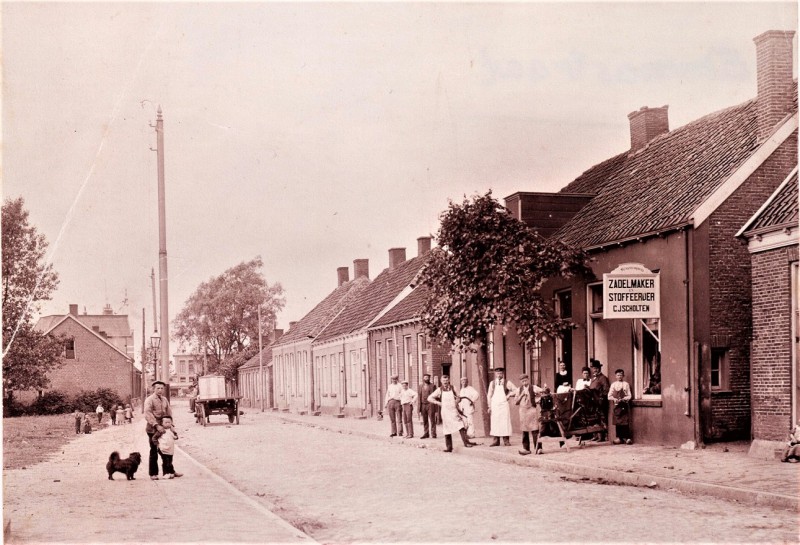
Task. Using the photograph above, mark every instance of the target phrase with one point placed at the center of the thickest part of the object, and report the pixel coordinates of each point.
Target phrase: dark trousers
(166, 463)
(99, 417)
(429, 418)
(78, 425)
(395, 416)
(114, 419)
(623, 432)
(408, 409)
(153, 461)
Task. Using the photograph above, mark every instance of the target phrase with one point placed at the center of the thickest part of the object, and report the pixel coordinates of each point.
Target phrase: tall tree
(486, 274)
(221, 316)
(27, 280)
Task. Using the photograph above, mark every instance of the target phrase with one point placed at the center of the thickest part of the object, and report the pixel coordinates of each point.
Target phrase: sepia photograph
(400, 272)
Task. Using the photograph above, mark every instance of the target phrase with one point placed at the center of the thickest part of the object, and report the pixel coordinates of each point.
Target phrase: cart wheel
(203, 418)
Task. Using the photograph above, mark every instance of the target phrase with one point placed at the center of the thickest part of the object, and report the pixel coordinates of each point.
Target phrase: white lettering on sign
(631, 291)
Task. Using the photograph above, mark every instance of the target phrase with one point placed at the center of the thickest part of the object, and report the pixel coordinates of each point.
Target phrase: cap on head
(395, 377)
(499, 370)
(596, 364)
(426, 375)
(156, 383)
(404, 382)
(523, 377)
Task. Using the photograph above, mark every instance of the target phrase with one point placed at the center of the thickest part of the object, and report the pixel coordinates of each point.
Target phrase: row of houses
(709, 209)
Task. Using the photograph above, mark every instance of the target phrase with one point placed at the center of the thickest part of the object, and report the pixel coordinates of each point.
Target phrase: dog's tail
(114, 457)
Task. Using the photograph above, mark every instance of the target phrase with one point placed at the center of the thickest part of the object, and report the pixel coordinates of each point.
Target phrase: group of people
(121, 414)
(161, 434)
(457, 408)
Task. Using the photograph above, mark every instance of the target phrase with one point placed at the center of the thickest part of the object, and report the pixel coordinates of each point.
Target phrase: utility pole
(260, 361)
(144, 363)
(162, 252)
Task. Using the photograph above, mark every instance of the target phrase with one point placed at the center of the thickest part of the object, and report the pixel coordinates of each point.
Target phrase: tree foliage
(27, 354)
(487, 272)
(221, 316)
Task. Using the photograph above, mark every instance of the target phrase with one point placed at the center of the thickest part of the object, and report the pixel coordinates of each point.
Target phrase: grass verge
(28, 440)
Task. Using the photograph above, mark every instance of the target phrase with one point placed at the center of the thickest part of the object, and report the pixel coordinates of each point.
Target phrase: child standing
(165, 439)
(620, 394)
(78, 415)
(113, 414)
(128, 414)
(86, 424)
(120, 415)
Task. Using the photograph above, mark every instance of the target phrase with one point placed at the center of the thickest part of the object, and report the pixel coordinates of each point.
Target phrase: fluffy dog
(128, 466)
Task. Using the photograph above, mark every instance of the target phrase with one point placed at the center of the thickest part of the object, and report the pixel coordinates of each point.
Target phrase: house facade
(670, 208)
(186, 369)
(772, 240)
(91, 360)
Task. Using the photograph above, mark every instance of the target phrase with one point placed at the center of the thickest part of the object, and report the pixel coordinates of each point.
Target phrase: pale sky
(316, 134)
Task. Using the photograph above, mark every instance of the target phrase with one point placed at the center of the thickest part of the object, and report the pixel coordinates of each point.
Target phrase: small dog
(128, 466)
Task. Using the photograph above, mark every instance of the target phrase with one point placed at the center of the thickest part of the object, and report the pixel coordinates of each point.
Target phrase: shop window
(390, 359)
(719, 369)
(326, 377)
(69, 349)
(379, 357)
(563, 309)
(354, 375)
(646, 339)
(531, 355)
(409, 357)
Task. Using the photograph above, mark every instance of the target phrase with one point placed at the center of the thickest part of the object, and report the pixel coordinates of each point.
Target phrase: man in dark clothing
(427, 410)
(156, 406)
(600, 383)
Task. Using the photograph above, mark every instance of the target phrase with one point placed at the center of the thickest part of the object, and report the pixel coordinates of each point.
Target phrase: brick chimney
(73, 310)
(423, 245)
(646, 124)
(396, 257)
(775, 84)
(343, 274)
(360, 268)
(292, 324)
(276, 335)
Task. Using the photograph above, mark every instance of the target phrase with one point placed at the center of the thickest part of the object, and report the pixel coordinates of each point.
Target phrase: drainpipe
(692, 375)
(343, 382)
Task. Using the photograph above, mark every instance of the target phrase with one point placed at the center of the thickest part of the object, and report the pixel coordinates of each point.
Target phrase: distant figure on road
(497, 397)
(620, 394)
(407, 399)
(86, 424)
(469, 396)
(528, 414)
(452, 421)
(427, 410)
(128, 414)
(600, 383)
(156, 407)
(120, 415)
(113, 414)
(78, 415)
(392, 405)
(99, 410)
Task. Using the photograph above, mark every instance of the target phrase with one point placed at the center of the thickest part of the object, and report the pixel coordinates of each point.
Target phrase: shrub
(12, 407)
(88, 400)
(52, 402)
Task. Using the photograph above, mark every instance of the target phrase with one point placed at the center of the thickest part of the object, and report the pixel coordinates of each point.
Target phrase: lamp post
(155, 344)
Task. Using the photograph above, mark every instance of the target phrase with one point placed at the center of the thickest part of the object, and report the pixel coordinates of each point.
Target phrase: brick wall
(730, 289)
(96, 365)
(771, 359)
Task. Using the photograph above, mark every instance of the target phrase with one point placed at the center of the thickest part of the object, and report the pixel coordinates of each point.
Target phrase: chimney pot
(774, 79)
(73, 310)
(396, 257)
(292, 324)
(646, 124)
(360, 268)
(343, 274)
(423, 245)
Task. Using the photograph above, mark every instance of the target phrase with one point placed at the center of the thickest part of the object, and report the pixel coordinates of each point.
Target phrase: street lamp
(155, 344)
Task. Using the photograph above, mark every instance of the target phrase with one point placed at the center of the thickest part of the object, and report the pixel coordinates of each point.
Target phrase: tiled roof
(661, 185)
(782, 209)
(312, 323)
(373, 299)
(114, 325)
(255, 361)
(407, 309)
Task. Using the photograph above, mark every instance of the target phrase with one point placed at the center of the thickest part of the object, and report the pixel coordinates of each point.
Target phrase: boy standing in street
(407, 399)
(165, 441)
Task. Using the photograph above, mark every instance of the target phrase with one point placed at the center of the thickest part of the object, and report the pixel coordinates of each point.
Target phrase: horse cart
(577, 413)
(216, 395)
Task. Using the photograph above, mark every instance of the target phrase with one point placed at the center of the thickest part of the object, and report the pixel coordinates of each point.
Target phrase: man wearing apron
(497, 398)
(452, 421)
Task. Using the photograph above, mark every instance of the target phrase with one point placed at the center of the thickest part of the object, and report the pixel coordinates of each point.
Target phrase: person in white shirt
(392, 404)
(497, 397)
(407, 399)
(584, 381)
(469, 396)
(620, 394)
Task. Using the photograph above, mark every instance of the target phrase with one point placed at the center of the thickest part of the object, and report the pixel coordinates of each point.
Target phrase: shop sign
(631, 291)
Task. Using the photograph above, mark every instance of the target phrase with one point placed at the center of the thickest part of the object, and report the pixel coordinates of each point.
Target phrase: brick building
(772, 237)
(93, 359)
(672, 204)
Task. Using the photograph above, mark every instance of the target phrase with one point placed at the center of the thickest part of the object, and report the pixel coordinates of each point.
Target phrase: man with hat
(427, 410)
(407, 399)
(497, 398)
(156, 406)
(601, 385)
(393, 406)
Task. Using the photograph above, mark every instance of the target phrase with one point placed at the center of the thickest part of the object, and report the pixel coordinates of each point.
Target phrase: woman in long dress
(447, 398)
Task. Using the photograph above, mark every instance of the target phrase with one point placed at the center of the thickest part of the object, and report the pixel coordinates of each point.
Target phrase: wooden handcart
(216, 395)
(577, 413)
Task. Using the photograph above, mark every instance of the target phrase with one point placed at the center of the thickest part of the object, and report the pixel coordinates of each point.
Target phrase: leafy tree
(486, 273)
(221, 316)
(27, 354)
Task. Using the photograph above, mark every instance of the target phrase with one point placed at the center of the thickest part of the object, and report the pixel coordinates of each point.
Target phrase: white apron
(500, 425)
(451, 423)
